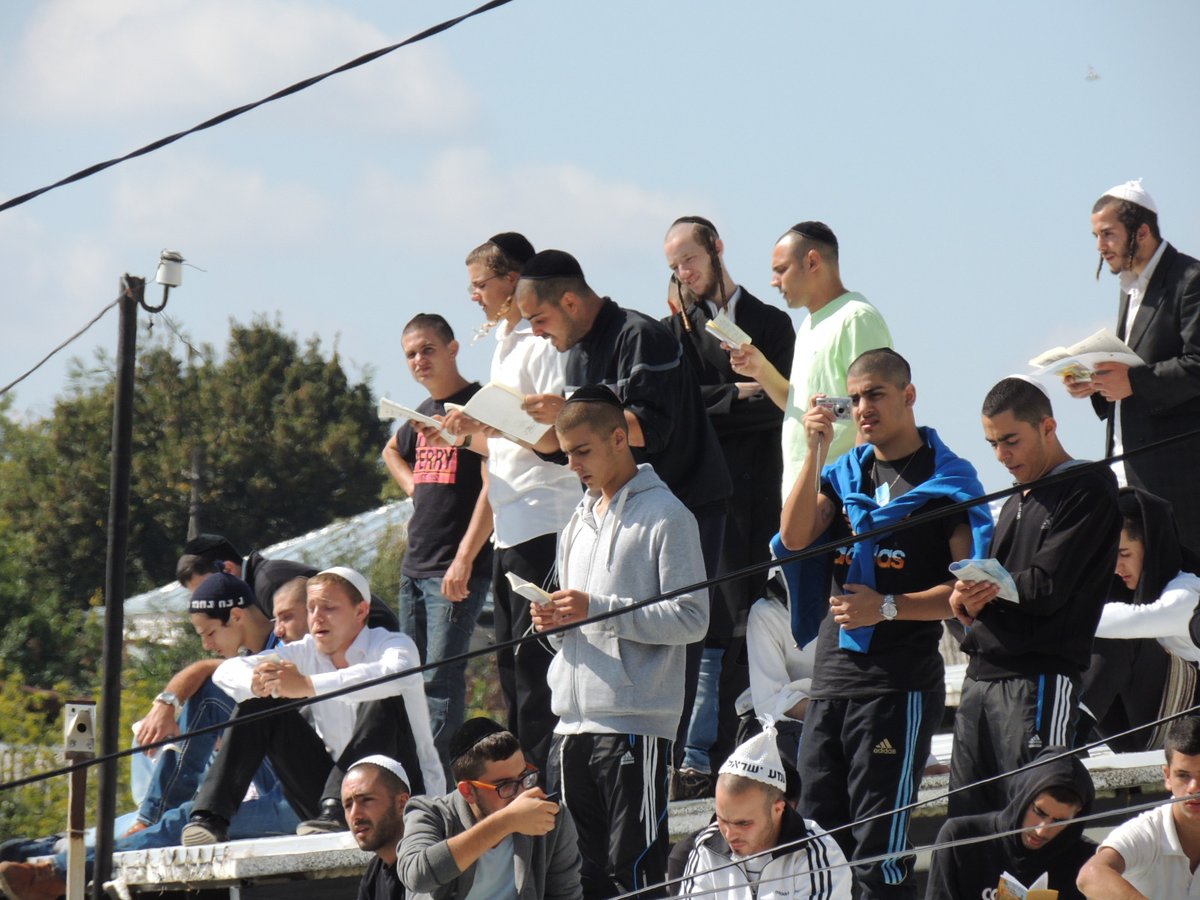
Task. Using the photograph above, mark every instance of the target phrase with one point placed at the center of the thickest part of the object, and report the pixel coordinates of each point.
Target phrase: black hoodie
(972, 871)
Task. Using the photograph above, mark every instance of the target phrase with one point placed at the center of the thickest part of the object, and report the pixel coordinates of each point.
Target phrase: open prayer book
(390, 410)
(1079, 360)
(526, 589)
(1011, 889)
(727, 331)
(499, 406)
(989, 570)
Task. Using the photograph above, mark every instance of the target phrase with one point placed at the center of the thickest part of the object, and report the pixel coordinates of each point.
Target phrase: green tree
(288, 442)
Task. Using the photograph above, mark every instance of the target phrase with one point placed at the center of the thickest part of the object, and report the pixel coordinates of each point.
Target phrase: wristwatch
(888, 609)
(171, 700)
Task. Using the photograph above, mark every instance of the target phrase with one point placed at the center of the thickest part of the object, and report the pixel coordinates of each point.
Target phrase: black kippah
(696, 220)
(595, 393)
(208, 544)
(221, 591)
(471, 733)
(514, 245)
(552, 264)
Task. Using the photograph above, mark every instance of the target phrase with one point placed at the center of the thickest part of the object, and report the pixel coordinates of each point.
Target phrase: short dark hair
(1133, 216)
(194, 565)
(1183, 737)
(600, 416)
(551, 290)
(1063, 794)
(1026, 402)
(813, 235)
(495, 747)
(1131, 514)
(883, 361)
(431, 322)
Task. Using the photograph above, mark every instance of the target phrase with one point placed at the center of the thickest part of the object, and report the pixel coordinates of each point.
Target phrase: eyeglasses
(507, 789)
(476, 286)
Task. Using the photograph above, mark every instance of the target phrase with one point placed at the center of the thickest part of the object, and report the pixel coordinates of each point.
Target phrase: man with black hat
(1159, 319)
(665, 420)
(497, 836)
(207, 553)
(748, 425)
(311, 759)
(531, 498)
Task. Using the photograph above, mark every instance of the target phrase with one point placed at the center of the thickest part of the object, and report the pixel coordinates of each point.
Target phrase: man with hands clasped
(310, 760)
(878, 683)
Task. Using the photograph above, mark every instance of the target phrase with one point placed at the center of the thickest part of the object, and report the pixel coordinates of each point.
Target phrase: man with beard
(374, 794)
(1159, 319)
(748, 426)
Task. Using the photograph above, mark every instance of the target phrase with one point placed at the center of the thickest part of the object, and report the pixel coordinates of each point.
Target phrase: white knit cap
(1134, 193)
(384, 762)
(758, 758)
(1029, 379)
(358, 580)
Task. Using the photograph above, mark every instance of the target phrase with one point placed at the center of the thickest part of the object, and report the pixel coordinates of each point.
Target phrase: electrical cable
(100, 315)
(240, 110)
(816, 550)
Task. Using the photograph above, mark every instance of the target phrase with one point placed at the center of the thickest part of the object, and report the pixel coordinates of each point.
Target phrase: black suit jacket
(1166, 391)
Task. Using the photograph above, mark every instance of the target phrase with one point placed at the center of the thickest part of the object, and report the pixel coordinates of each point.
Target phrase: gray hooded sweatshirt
(625, 675)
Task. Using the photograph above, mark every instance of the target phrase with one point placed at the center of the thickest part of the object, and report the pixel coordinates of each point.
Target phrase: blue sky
(955, 148)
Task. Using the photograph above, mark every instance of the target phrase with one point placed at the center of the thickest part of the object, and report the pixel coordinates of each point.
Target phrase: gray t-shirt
(495, 877)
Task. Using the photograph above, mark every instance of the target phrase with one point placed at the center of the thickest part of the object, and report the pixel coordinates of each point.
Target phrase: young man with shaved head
(878, 684)
(1059, 543)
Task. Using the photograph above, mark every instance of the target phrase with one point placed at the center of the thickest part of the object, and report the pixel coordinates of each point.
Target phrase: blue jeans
(442, 629)
(702, 729)
(177, 774)
(267, 815)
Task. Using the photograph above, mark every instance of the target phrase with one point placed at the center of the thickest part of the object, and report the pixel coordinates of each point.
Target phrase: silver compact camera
(840, 405)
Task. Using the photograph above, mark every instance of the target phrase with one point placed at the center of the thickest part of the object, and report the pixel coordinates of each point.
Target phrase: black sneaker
(204, 828)
(329, 820)
(689, 784)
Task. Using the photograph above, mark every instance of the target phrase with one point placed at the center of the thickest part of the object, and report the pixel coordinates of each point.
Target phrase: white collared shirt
(529, 496)
(730, 304)
(1155, 863)
(373, 653)
(1135, 286)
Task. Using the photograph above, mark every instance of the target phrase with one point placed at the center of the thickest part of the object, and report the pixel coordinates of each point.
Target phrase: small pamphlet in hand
(727, 331)
(499, 406)
(988, 570)
(390, 410)
(527, 589)
(1011, 889)
(1079, 361)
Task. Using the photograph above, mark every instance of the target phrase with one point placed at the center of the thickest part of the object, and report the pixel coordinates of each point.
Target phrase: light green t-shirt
(826, 343)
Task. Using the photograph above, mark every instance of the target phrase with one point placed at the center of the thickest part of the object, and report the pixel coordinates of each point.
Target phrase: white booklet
(727, 331)
(499, 406)
(526, 589)
(391, 410)
(1011, 889)
(989, 570)
(1079, 360)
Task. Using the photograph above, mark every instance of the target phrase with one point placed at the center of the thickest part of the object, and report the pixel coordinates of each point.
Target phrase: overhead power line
(240, 110)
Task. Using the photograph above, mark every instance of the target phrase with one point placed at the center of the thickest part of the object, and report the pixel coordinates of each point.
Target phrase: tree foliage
(288, 443)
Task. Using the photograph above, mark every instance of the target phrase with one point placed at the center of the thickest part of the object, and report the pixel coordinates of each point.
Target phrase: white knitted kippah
(384, 762)
(1134, 193)
(355, 578)
(758, 758)
(1029, 379)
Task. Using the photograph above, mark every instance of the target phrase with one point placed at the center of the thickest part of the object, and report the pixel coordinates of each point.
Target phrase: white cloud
(462, 194)
(81, 61)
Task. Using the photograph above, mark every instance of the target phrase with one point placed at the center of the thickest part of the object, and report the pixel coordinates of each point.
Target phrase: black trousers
(522, 670)
(615, 786)
(999, 727)
(861, 760)
(710, 521)
(306, 771)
